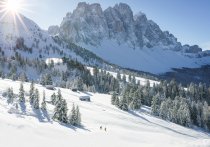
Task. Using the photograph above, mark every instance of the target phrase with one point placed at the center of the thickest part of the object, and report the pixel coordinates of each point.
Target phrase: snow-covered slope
(126, 39)
(33, 128)
(24, 36)
(154, 60)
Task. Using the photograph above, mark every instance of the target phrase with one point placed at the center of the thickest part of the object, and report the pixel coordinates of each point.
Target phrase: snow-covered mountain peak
(89, 24)
(118, 35)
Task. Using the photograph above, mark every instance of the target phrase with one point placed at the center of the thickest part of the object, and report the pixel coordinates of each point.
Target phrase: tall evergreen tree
(31, 93)
(21, 93)
(53, 98)
(44, 105)
(78, 116)
(124, 79)
(36, 99)
(118, 76)
(123, 103)
(73, 117)
(114, 95)
(136, 101)
(205, 115)
(117, 102)
(10, 96)
(61, 109)
(155, 105)
(58, 97)
(63, 112)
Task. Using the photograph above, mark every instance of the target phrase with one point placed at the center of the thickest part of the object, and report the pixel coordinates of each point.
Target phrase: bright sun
(13, 5)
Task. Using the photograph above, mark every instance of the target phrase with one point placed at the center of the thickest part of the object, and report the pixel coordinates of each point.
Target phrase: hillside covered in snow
(28, 127)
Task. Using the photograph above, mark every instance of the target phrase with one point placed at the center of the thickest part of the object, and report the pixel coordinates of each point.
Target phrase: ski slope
(134, 129)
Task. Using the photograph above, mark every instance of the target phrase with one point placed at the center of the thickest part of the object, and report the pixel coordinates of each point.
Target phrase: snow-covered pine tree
(80, 84)
(36, 99)
(124, 79)
(78, 116)
(163, 110)
(136, 102)
(114, 95)
(123, 103)
(61, 109)
(58, 97)
(155, 105)
(57, 109)
(205, 115)
(184, 114)
(129, 78)
(44, 105)
(118, 76)
(21, 93)
(10, 96)
(63, 112)
(31, 93)
(48, 79)
(73, 117)
(117, 102)
(53, 98)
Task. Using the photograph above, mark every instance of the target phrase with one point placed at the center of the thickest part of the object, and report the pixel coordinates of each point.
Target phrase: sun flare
(13, 5)
(10, 11)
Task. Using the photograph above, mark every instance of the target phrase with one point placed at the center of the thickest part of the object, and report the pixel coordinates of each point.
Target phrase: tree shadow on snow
(39, 115)
(74, 127)
(167, 128)
(23, 107)
(46, 115)
(137, 115)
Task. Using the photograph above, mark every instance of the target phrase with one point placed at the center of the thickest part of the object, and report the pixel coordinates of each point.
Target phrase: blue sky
(188, 20)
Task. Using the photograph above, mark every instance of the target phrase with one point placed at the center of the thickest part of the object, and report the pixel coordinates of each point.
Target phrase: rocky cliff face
(89, 24)
(126, 39)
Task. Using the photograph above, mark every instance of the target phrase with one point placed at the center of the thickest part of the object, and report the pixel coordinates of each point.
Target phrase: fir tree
(48, 80)
(73, 117)
(31, 93)
(53, 98)
(155, 107)
(36, 99)
(124, 79)
(60, 111)
(21, 93)
(118, 76)
(10, 96)
(129, 78)
(205, 114)
(136, 102)
(58, 97)
(123, 104)
(114, 95)
(78, 116)
(163, 110)
(43, 105)
(63, 112)
(117, 102)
